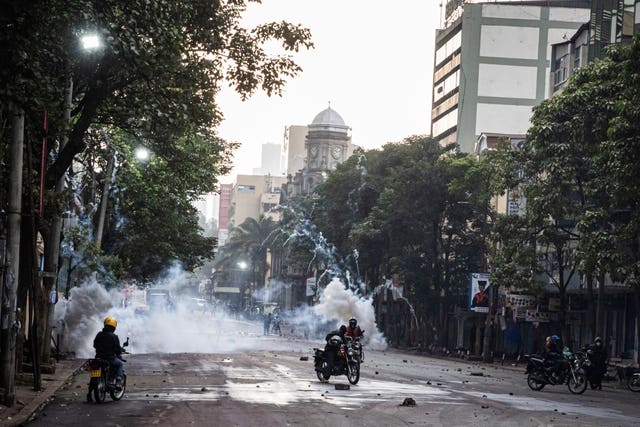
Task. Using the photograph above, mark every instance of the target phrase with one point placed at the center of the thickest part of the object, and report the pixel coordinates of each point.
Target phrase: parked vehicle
(346, 363)
(571, 372)
(102, 380)
(634, 382)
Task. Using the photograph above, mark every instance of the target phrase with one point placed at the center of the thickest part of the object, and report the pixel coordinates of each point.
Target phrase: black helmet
(343, 329)
(353, 322)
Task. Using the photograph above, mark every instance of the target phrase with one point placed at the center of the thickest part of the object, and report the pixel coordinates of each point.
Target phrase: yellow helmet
(110, 321)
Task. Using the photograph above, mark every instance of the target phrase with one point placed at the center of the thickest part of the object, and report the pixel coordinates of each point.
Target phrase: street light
(90, 41)
(142, 154)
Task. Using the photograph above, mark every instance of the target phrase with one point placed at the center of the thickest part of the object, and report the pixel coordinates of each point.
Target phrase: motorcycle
(102, 380)
(634, 382)
(346, 362)
(571, 373)
(358, 350)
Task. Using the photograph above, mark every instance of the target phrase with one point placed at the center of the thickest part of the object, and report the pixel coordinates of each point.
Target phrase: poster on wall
(479, 292)
(311, 286)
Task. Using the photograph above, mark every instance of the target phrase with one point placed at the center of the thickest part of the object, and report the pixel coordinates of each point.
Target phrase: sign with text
(311, 286)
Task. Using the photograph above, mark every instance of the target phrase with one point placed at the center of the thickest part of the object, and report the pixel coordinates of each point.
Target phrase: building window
(446, 86)
(449, 48)
(561, 70)
(246, 188)
(445, 123)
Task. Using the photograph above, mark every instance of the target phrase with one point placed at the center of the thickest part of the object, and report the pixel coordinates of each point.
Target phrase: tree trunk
(52, 252)
(599, 307)
(591, 313)
(12, 278)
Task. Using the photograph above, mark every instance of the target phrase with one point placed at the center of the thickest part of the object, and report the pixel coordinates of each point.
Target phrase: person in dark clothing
(353, 330)
(334, 339)
(553, 354)
(107, 346)
(267, 324)
(598, 357)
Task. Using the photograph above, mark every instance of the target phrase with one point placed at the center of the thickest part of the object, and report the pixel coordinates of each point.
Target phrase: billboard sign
(479, 292)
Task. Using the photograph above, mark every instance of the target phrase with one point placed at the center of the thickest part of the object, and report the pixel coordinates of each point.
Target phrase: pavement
(28, 401)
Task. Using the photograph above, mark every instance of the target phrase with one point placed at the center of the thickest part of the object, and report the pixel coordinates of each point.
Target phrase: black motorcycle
(102, 380)
(346, 362)
(570, 372)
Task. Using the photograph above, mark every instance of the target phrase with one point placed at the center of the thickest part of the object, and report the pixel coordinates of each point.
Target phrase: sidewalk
(29, 401)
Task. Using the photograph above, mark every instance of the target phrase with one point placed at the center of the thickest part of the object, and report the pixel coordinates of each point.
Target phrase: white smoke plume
(337, 303)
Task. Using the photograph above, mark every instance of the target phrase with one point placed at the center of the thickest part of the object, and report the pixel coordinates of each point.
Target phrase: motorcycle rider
(598, 357)
(107, 346)
(553, 354)
(334, 339)
(353, 330)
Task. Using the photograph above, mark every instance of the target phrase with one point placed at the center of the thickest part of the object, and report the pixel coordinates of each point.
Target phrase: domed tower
(328, 144)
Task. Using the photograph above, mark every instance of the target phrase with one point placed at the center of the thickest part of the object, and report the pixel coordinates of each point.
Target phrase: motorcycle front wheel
(353, 372)
(100, 389)
(321, 373)
(116, 394)
(634, 382)
(534, 383)
(577, 383)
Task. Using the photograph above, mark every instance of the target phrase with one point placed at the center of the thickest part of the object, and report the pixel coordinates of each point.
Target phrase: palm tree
(249, 242)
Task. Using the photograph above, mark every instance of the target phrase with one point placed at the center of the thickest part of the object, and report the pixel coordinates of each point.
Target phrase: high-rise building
(293, 147)
(491, 65)
(224, 211)
(271, 163)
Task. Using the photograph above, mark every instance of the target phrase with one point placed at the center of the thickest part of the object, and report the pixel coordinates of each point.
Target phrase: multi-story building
(491, 65)
(294, 148)
(254, 196)
(327, 144)
(272, 161)
(224, 211)
(612, 21)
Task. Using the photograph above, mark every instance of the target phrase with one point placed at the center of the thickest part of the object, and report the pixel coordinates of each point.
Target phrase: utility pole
(9, 325)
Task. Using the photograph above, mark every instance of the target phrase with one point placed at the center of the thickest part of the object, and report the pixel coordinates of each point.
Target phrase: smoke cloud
(338, 303)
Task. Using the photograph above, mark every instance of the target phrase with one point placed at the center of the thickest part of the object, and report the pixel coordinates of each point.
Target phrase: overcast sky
(372, 60)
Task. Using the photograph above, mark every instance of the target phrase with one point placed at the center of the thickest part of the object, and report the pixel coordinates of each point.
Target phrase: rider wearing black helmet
(334, 339)
(353, 330)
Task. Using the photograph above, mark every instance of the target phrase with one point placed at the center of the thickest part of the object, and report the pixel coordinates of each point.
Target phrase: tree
(154, 79)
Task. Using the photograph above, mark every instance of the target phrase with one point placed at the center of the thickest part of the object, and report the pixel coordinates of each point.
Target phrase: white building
(492, 65)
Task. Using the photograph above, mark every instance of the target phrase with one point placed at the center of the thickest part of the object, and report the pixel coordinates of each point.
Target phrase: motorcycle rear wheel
(353, 372)
(100, 389)
(579, 384)
(321, 373)
(534, 383)
(634, 382)
(117, 394)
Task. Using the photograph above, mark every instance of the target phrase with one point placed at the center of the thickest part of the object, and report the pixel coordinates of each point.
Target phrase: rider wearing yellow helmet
(107, 345)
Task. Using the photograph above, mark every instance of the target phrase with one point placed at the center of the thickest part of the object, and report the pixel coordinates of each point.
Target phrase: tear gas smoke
(338, 303)
(191, 324)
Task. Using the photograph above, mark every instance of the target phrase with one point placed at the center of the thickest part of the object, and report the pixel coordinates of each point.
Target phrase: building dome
(328, 117)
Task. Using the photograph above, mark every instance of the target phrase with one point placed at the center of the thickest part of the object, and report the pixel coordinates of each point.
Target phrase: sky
(372, 61)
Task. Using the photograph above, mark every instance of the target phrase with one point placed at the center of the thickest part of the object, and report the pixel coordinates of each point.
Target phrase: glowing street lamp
(90, 41)
(142, 154)
(242, 265)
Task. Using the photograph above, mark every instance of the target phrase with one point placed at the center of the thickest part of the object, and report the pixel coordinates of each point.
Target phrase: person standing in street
(267, 323)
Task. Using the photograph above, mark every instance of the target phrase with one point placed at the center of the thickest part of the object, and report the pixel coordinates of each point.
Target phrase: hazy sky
(372, 60)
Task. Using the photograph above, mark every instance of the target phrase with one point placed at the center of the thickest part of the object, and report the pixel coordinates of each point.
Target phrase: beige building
(294, 148)
(252, 196)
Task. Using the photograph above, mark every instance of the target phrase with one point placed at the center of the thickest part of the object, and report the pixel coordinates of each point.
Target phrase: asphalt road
(267, 384)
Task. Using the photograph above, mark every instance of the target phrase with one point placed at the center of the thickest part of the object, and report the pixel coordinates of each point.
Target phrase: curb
(29, 411)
